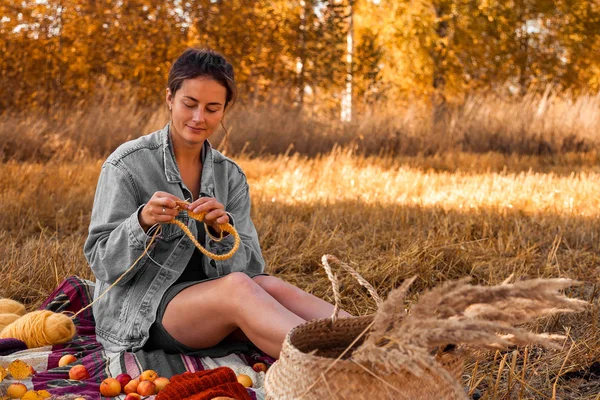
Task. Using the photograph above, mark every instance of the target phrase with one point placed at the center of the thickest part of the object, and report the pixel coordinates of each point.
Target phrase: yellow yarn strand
(122, 275)
(44, 327)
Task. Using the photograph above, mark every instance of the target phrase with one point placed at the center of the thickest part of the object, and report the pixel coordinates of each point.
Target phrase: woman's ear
(169, 98)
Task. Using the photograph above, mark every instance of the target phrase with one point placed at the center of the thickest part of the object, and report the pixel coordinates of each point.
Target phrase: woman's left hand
(215, 212)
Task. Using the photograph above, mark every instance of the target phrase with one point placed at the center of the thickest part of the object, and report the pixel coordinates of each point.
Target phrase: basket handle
(336, 286)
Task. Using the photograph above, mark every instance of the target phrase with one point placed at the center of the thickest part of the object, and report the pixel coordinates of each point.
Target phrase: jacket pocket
(171, 231)
(131, 287)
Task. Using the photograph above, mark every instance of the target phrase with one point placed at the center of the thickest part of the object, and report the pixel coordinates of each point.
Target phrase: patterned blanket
(74, 294)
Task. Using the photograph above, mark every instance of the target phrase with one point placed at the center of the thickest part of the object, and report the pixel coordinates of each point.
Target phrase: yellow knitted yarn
(8, 306)
(41, 328)
(7, 319)
(182, 205)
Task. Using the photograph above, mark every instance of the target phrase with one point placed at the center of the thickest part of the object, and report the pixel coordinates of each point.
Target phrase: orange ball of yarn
(41, 328)
(7, 319)
(8, 306)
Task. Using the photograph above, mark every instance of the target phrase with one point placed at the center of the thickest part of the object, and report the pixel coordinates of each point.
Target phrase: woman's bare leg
(202, 315)
(301, 303)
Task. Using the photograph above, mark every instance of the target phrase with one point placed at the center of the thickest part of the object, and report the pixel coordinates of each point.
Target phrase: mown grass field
(441, 217)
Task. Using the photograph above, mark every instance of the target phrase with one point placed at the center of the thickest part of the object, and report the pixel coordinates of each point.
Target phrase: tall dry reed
(534, 124)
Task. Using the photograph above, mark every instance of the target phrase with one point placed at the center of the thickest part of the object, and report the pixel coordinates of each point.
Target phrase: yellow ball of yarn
(41, 328)
(8, 306)
(7, 319)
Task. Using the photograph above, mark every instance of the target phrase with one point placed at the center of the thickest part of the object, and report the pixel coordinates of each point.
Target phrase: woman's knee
(237, 280)
(272, 285)
(239, 286)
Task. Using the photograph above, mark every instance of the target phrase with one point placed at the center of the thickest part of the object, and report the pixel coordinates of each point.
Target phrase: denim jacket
(128, 179)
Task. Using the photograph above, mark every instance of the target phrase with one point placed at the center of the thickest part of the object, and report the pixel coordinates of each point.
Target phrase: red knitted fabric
(233, 390)
(203, 385)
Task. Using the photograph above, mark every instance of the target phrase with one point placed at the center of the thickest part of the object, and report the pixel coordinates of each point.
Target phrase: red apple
(131, 387)
(78, 373)
(146, 388)
(66, 360)
(260, 367)
(148, 375)
(160, 383)
(133, 396)
(110, 387)
(123, 379)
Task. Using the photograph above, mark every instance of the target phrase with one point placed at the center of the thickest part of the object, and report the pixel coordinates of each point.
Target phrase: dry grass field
(502, 187)
(441, 217)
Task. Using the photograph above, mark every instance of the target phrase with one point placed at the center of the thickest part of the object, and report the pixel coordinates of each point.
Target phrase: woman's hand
(215, 212)
(160, 208)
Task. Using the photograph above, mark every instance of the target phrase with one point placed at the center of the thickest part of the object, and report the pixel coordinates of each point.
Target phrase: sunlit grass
(342, 177)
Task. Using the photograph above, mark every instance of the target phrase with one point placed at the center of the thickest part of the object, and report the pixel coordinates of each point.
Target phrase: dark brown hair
(193, 63)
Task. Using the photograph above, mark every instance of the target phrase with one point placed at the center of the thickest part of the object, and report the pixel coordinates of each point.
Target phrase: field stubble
(487, 216)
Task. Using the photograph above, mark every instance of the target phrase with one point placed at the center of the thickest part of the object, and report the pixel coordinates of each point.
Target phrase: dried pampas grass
(478, 317)
(398, 354)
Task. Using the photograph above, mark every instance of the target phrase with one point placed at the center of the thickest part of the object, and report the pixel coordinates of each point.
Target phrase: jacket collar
(207, 181)
(207, 184)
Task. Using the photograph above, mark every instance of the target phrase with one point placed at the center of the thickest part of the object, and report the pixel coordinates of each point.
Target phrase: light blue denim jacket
(129, 178)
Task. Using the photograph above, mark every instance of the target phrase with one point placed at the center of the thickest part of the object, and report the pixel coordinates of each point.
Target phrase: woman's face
(196, 109)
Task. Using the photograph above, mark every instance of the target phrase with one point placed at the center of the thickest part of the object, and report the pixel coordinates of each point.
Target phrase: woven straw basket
(316, 362)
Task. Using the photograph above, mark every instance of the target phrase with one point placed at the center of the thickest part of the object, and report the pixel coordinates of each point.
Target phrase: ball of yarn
(41, 328)
(7, 319)
(8, 306)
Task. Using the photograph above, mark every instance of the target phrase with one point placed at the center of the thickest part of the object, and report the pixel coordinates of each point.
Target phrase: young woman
(175, 298)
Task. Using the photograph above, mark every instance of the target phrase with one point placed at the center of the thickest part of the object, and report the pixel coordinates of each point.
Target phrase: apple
(131, 387)
(110, 387)
(16, 390)
(148, 375)
(260, 367)
(133, 396)
(146, 388)
(160, 383)
(66, 360)
(123, 379)
(78, 373)
(244, 380)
